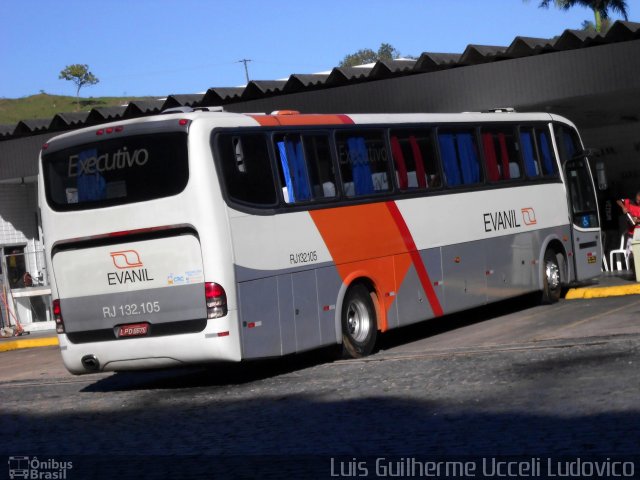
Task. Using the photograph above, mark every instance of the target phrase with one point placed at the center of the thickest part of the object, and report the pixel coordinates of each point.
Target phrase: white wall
(18, 208)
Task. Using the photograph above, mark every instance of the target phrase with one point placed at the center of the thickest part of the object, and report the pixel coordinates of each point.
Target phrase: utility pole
(246, 70)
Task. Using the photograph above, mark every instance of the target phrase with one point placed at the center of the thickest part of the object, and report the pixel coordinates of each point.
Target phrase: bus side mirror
(587, 152)
(601, 176)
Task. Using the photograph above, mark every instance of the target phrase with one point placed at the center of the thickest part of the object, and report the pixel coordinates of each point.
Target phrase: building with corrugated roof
(592, 79)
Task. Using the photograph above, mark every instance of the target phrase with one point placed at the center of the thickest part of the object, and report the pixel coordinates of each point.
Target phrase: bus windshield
(116, 171)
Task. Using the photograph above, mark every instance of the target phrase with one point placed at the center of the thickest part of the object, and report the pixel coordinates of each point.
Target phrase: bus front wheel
(359, 324)
(551, 277)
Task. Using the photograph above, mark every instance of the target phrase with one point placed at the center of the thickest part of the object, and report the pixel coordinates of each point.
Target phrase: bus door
(585, 231)
(583, 207)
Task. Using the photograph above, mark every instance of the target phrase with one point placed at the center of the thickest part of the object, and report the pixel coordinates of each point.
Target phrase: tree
(590, 27)
(80, 75)
(366, 55)
(600, 8)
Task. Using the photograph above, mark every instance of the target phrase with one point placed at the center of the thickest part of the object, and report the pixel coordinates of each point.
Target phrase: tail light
(57, 315)
(216, 300)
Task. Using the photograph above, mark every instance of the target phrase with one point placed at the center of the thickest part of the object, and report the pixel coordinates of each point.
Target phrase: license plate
(133, 330)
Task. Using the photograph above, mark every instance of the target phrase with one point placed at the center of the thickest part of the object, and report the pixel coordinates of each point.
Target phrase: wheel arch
(555, 243)
(359, 278)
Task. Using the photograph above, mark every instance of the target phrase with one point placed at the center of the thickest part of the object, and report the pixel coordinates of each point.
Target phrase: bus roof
(292, 118)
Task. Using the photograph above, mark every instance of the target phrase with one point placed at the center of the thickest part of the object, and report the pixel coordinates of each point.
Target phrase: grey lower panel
(464, 273)
(97, 312)
(412, 302)
(475, 273)
(286, 313)
(305, 310)
(510, 265)
(587, 258)
(296, 310)
(260, 326)
(329, 283)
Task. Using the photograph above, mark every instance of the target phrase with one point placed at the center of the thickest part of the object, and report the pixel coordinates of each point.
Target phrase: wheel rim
(553, 275)
(358, 321)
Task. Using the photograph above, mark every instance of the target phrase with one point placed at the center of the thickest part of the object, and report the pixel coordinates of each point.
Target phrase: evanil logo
(83, 164)
(127, 261)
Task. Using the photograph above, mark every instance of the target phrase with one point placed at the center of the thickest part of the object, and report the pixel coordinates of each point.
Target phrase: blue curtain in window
(547, 159)
(360, 168)
(285, 171)
(468, 158)
(528, 154)
(91, 186)
(298, 169)
(294, 170)
(569, 148)
(449, 160)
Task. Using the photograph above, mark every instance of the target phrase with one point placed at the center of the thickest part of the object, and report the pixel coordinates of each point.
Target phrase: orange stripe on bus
(266, 120)
(369, 241)
(418, 264)
(301, 120)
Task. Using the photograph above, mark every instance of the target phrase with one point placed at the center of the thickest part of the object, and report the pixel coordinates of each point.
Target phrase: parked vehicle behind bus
(211, 236)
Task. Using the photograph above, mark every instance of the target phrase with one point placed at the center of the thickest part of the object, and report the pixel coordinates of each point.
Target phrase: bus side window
(549, 164)
(305, 167)
(292, 167)
(246, 168)
(363, 163)
(320, 165)
(501, 154)
(414, 159)
(459, 154)
(529, 153)
(567, 141)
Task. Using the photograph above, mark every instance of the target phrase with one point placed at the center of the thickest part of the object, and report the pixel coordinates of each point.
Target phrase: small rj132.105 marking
(130, 309)
(303, 257)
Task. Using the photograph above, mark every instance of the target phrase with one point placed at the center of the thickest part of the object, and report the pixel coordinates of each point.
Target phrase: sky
(163, 47)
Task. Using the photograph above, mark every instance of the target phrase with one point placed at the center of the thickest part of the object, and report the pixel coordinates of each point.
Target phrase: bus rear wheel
(551, 277)
(359, 324)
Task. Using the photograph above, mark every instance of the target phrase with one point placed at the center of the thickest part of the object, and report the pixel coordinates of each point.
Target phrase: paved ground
(513, 379)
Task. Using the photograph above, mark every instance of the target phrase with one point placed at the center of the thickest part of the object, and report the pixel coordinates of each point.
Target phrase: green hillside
(43, 105)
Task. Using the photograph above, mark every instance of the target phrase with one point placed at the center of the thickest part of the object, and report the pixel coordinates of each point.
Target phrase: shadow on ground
(220, 374)
(298, 435)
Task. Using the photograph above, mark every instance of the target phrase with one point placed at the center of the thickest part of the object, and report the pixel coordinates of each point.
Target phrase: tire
(359, 323)
(551, 277)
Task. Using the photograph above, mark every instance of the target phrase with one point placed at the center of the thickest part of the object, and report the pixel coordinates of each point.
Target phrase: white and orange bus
(211, 236)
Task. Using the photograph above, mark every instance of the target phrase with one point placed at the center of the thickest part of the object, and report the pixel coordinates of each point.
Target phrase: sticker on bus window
(72, 195)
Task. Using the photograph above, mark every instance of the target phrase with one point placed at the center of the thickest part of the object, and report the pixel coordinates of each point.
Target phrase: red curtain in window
(398, 159)
(417, 155)
(504, 156)
(490, 157)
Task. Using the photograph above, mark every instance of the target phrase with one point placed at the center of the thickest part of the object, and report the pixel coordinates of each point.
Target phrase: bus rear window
(116, 171)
